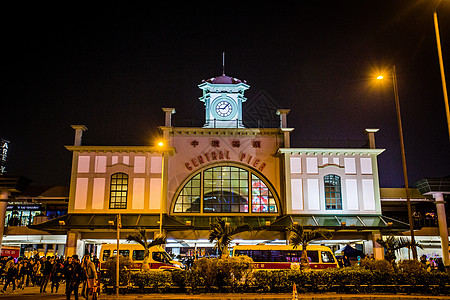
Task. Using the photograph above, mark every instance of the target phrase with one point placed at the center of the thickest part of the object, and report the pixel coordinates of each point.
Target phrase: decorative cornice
(149, 149)
(221, 131)
(331, 151)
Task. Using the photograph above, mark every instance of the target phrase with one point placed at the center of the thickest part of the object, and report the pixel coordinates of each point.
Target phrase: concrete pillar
(378, 250)
(78, 133)
(443, 229)
(168, 116)
(283, 117)
(4, 195)
(371, 136)
(72, 243)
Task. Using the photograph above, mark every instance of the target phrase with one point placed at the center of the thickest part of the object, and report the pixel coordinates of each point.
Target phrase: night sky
(112, 67)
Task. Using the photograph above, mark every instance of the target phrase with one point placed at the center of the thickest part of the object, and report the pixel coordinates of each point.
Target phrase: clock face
(224, 108)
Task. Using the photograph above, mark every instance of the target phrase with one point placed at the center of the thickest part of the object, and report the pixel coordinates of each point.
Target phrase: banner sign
(4, 145)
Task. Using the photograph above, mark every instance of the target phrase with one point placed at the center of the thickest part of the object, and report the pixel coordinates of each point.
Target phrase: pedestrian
(47, 265)
(346, 261)
(29, 271)
(73, 276)
(23, 273)
(56, 275)
(90, 275)
(37, 273)
(11, 276)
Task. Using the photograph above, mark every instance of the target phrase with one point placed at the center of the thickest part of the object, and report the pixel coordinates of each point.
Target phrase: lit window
(333, 196)
(225, 189)
(119, 191)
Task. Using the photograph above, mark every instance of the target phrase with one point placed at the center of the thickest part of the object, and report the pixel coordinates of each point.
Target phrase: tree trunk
(304, 262)
(225, 252)
(145, 266)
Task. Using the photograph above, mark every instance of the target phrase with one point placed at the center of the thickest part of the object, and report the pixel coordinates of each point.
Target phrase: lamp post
(441, 67)
(402, 146)
(118, 226)
(161, 144)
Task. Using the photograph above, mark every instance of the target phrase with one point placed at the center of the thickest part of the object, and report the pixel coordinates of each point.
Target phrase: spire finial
(223, 63)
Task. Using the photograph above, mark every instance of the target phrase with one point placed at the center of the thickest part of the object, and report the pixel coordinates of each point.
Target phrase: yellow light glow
(160, 144)
(380, 77)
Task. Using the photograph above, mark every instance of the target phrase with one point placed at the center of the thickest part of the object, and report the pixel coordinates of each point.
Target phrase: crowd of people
(433, 263)
(49, 273)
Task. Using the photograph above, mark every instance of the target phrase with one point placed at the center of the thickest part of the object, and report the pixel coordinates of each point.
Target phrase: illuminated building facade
(223, 169)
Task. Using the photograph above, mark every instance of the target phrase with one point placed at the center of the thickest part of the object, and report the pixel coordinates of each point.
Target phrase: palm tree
(222, 233)
(141, 238)
(392, 244)
(302, 237)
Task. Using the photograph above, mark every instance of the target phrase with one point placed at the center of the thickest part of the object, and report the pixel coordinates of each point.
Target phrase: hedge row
(236, 275)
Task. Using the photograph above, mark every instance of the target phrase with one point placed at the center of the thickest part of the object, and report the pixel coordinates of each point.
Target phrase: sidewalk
(29, 293)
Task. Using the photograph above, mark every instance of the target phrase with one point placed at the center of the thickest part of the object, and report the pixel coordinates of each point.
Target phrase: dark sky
(112, 67)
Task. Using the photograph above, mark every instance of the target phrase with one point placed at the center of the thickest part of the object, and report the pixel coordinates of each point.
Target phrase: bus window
(327, 257)
(125, 253)
(293, 256)
(138, 254)
(277, 256)
(106, 254)
(260, 255)
(161, 257)
(313, 256)
(241, 252)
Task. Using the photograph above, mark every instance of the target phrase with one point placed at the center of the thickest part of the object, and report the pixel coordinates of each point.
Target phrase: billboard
(4, 145)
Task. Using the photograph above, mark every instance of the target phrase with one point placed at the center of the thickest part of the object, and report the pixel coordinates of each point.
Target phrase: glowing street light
(402, 146)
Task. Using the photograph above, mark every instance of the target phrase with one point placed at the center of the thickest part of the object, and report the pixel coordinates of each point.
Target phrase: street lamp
(402, 146)
(441, 67)
(161, 144)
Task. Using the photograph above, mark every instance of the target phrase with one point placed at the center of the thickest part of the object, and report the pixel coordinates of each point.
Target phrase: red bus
(275, 257)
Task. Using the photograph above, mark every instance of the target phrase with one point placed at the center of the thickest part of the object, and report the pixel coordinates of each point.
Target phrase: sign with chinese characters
(4, 144)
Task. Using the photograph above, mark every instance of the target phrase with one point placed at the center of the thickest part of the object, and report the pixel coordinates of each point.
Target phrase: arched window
(119, 191)
(225, 189)
(333, 195)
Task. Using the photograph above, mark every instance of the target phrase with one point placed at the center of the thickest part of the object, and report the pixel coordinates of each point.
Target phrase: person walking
(23, 273)
(56, 275)
(73, 274)
(37, 273)
(90, 275)
(11, 275)
(47, 265)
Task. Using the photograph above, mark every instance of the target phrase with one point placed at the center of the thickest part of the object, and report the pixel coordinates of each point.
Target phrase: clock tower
(223, 97)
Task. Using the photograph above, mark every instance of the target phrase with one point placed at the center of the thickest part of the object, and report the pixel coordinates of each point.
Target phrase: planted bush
(124, 270)
(237, 275)
(153, 280)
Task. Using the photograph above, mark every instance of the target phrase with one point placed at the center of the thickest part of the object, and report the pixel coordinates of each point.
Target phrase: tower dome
(224, 79)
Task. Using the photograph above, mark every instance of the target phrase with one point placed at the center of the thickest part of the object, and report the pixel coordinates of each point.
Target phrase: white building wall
(91, 180)
(359, 182)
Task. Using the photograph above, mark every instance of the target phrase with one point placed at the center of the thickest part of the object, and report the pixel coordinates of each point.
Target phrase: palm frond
(302, 236)
(158, 241)
(141, 238)
(222, 234)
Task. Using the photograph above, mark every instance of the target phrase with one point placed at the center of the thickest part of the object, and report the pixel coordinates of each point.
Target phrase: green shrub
(124, 270)
(152, 279)
(233, 275)
(179, 278)
(233, 272)
(377, 265)
(411, 266)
